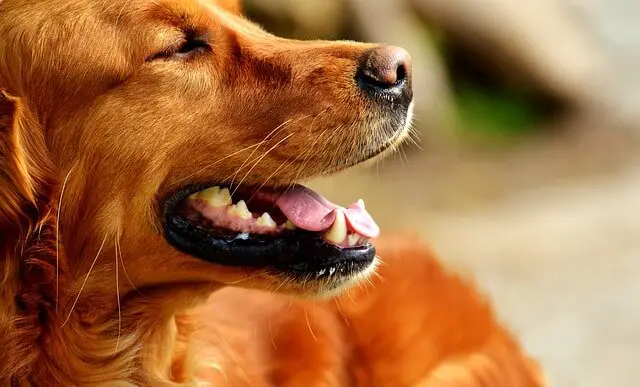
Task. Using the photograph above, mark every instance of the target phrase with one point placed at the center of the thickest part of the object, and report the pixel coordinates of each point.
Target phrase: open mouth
(293, 230)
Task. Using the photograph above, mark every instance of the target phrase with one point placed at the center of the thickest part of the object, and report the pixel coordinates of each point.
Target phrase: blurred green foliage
(489, 102)
(501, 112)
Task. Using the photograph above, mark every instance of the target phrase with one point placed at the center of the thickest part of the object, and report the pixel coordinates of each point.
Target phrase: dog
(153, 232)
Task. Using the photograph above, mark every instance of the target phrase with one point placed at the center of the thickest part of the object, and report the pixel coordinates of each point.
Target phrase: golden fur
(97, 126)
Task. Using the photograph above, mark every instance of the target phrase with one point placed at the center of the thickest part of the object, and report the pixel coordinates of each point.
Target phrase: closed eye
(191, 45)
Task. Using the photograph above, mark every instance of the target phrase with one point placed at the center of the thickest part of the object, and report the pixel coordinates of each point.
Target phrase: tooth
(266, 221)
(208, 193)
(232, 210)
(361, 203)
(225, 197)
(216, 197)
(338, 231)
(193, 196)
(322, 272)
(332, 270)
(240, 210)
(289, 225)
(353, 239)
(243, 210)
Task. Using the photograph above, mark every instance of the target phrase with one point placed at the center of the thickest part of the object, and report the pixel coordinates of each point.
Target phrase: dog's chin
(320, 289)
(299, 239)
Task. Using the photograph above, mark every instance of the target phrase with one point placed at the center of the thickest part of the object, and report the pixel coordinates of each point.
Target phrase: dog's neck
(140, 342)
(89, 340)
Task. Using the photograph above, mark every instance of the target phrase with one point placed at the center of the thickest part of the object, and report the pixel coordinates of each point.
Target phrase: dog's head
(172, 128)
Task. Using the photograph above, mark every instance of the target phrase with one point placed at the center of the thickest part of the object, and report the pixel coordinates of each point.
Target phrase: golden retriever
(149, 151)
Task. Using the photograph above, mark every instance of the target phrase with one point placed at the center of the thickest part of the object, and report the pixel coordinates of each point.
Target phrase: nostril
(385, 69)
(401, 73)
(385, 79)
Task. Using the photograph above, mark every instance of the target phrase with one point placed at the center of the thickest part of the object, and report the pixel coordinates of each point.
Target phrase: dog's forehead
(104, 39)
(171, 11)
(113, 12)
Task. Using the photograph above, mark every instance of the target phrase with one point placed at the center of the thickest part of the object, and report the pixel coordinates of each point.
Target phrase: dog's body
(110, 110)
(414, 325)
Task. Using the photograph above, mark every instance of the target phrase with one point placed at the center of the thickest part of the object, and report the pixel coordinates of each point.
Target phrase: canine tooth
(338, 231)
(240, 210)
(289, 225)
(361, 203)
(353, 239)
(266, 221)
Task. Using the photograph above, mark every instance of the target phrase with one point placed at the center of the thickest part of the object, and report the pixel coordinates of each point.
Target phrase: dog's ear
(12, 179)
(25, 173)
(29, 259)
(233, 6)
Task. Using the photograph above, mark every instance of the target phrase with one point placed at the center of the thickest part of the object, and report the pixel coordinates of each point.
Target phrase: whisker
(345, 319)
(117, 267)
(234, 358)
(124, 269)
(350, 296)
(304, 155)
(64, 185)
(84, 282)
(283, 282)
(378, 276)
(271, 335)
(270, 135)
(269, 178)
(381, 262)
(296, 159)
(306, 315)
(260, 159)
(264, 140)
(244, 279)
(220, 160)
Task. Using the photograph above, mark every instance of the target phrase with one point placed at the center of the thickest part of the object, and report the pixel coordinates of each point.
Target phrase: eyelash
(191, 45)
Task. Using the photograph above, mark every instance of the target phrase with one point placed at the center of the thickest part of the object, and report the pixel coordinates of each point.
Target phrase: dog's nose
(385, 70)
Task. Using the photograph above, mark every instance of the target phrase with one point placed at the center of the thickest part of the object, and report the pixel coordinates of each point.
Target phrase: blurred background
(527, 176)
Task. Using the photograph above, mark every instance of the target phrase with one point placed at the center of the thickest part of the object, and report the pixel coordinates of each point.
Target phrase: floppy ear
(25, 174)
(233, 6)
(13, 194)
(28, 252)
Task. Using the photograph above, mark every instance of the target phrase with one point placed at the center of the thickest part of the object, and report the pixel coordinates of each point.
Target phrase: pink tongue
(310, 211)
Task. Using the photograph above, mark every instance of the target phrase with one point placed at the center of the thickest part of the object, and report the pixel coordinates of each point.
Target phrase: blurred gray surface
(614, 26)
(563, 267)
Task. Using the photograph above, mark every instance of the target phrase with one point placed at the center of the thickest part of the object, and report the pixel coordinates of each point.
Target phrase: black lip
(297, 253)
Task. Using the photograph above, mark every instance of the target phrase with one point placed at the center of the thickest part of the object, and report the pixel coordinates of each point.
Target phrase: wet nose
(385, 71)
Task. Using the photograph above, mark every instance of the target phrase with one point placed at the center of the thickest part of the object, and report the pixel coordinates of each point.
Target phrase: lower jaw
(299, 252)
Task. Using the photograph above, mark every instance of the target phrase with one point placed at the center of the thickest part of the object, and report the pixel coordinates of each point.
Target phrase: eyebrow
(185, 15)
